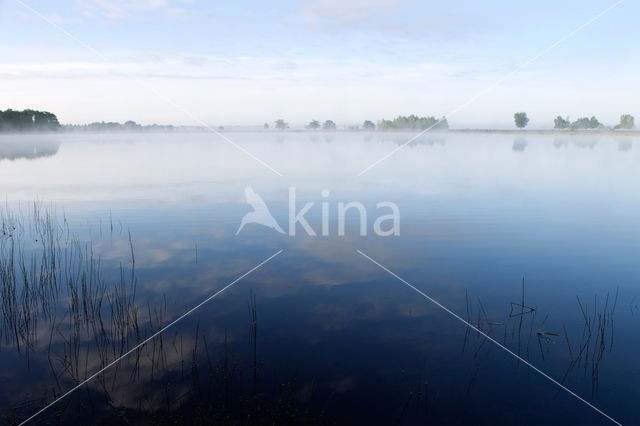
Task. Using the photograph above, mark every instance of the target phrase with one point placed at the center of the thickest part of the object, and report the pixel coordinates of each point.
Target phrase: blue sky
(249, 62)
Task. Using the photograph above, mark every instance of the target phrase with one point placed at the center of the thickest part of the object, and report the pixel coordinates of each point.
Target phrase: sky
(250, 62)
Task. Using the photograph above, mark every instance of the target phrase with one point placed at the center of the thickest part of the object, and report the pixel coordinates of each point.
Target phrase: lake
(532, 240)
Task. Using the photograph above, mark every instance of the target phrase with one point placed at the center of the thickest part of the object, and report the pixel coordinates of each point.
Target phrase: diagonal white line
(497, 83)
(486, 336)
(153, 336)
(146, 86)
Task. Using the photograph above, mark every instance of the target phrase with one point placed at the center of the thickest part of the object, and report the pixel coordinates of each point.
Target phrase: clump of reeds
(53, 280)
(596, 339)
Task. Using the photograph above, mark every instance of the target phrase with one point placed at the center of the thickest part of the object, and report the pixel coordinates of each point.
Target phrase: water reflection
(586, 142)
(89, 304)
(410, 140)
(560, 142)
(519, 144)
(27, 149)
(625, 145)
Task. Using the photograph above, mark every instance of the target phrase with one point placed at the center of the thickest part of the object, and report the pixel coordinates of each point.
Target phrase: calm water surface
(107, 238)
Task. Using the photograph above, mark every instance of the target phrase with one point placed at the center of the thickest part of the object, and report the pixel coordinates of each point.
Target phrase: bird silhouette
(260, 213)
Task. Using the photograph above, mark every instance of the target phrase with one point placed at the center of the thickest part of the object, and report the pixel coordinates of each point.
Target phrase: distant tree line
(626, 122)
(32, 120)
(327, 125)
(413, 122)
(128, 126)
(28, 120)
(410, 122)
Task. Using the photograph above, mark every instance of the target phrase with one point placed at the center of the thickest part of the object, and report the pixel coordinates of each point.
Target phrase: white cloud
(126, 9)
(264, 69)
(398, 18)
(334, 13)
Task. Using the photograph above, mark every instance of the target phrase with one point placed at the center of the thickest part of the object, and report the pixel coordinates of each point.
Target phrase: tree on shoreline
(28, 120)
(521, 119)
(561, 123)
(368, 125)
(627, 122)
(313, 125)
(281, 124)
(329, 125)
(586, 123)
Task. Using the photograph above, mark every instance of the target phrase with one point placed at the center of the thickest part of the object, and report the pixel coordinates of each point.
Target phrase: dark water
(533, 240)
